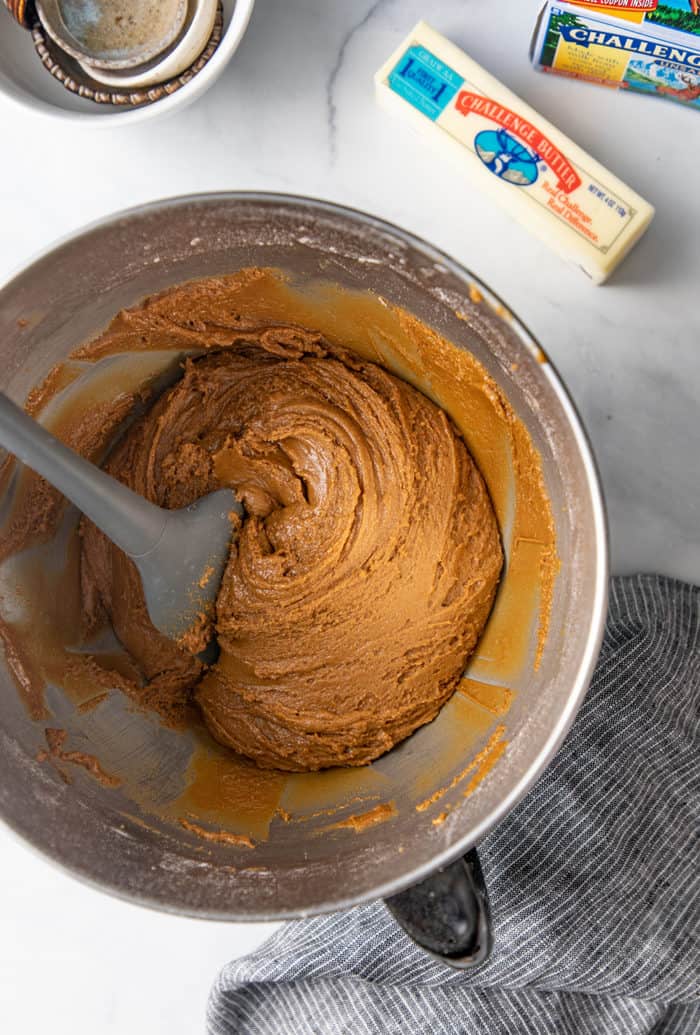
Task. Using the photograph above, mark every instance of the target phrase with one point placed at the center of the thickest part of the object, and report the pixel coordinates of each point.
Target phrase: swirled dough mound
(364, 569)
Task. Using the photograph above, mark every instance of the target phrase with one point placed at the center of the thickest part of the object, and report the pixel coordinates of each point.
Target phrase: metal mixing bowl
(70, 294)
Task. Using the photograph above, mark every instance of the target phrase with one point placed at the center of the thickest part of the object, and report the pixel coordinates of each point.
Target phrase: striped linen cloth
(593, 880)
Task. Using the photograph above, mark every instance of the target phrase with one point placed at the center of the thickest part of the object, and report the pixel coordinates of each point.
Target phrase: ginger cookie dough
(364, 569)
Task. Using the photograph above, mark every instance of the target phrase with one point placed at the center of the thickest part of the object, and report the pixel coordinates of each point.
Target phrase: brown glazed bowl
(102, 834)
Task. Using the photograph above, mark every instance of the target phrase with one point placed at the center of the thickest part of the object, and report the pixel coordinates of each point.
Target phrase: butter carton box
(652, 46)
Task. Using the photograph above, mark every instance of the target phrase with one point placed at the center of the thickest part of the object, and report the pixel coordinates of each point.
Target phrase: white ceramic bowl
(24, 80)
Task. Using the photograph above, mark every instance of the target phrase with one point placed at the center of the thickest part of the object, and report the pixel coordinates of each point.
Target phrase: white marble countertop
(294, 112)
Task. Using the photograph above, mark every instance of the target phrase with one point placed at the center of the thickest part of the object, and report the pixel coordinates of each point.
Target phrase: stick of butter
(526, 164)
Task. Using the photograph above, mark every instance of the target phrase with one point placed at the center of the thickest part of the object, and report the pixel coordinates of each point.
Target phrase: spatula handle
(130, 521)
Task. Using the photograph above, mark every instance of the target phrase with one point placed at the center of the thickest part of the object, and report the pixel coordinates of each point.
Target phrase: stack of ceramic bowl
(122, 51)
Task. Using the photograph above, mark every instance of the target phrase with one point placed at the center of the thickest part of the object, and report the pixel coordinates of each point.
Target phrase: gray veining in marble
(295, 112)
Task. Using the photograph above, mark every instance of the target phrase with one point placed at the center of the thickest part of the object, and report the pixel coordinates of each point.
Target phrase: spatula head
(181, 575)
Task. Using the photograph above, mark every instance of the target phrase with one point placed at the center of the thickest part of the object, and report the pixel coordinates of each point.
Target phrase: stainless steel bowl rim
(599, 576)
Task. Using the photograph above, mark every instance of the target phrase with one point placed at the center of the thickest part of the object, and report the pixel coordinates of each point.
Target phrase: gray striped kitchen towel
(593, 880)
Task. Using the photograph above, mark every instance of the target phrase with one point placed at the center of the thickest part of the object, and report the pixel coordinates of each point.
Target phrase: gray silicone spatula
(180, 554)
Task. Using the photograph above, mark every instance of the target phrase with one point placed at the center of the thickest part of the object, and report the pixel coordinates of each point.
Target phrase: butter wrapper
(647, 46)
(511, 153)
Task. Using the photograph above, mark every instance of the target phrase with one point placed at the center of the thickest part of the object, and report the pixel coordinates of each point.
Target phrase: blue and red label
(513, 152)
(521, 151)
(424, 81)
